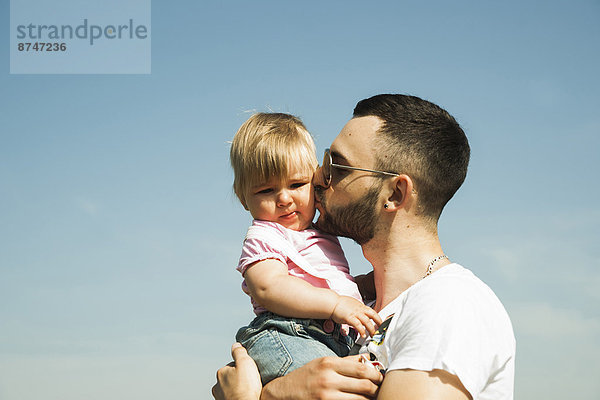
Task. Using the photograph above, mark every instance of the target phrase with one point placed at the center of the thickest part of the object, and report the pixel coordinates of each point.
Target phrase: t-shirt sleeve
(447, 327)
(255, 249)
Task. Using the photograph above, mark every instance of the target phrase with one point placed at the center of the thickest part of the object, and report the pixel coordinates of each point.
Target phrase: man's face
(349, 206)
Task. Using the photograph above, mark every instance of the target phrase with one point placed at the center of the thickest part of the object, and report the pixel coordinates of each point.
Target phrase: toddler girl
(297, 277)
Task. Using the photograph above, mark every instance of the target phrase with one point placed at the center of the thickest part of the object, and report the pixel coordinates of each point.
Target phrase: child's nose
(284, 198)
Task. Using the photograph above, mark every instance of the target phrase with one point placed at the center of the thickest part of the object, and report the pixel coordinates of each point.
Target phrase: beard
(355, 221)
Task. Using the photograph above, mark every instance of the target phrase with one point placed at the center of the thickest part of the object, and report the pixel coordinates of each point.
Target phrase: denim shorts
(279, 344)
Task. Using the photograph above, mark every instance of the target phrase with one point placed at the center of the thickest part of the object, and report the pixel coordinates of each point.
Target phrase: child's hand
(350, 311)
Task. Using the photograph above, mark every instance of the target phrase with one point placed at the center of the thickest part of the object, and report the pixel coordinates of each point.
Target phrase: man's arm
(409, 384)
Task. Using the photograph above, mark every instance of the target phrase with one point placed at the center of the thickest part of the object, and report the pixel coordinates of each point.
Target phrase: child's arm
(272, 287)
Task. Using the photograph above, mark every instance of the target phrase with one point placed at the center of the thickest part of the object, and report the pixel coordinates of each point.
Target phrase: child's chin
(298, 226)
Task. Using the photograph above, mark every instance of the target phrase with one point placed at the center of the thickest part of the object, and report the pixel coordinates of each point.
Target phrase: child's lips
(289, 216)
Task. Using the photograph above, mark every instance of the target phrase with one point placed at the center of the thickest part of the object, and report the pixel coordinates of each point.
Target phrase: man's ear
(403, 193)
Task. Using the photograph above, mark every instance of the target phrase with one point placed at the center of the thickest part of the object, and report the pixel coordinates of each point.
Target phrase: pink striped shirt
(311, 255)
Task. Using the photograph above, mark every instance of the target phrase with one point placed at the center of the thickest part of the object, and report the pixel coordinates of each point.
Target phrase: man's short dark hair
(423, 141)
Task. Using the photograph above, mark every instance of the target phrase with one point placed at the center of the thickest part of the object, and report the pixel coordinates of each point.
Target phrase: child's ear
(243, 201)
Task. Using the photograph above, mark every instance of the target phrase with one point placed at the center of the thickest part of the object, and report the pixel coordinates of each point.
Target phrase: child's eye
(265, 191)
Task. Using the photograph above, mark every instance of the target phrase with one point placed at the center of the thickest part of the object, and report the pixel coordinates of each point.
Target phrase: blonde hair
(267, 146)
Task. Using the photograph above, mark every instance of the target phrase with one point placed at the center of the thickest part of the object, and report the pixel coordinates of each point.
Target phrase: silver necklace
(430, 265)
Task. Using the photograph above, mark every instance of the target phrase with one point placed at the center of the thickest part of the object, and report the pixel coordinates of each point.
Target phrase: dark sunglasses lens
(327, 168)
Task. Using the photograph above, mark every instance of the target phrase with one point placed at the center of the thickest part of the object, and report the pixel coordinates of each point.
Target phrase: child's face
(289, 202)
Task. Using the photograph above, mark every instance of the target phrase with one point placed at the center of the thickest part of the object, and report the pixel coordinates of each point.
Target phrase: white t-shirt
(452, 321)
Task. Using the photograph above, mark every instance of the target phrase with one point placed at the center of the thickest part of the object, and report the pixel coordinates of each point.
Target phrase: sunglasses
(328, 164)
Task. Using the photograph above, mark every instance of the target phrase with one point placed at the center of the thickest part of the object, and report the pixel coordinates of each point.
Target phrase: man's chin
(354, 221)
(324, 225)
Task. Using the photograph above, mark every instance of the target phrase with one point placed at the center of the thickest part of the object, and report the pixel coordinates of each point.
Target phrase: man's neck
(400, 259)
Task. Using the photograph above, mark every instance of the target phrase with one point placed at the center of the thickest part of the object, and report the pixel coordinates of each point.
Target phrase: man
(384, 183)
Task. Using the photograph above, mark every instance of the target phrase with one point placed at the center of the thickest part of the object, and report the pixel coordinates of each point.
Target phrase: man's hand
(238, 380)
(350, 311)
(326, 378)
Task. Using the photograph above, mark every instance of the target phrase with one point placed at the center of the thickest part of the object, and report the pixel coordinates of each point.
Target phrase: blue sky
(119, 233)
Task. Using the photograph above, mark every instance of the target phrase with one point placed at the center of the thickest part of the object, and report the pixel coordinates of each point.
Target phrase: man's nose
(318, 178)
